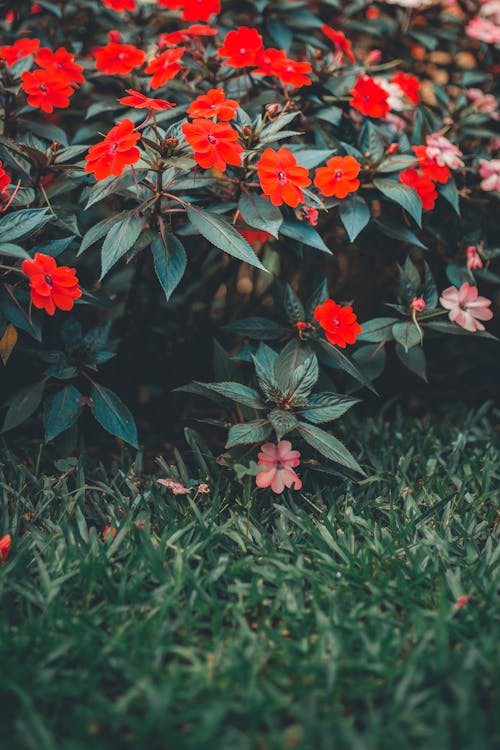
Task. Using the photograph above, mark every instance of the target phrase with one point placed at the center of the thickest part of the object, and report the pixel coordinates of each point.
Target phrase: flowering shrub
(316, 143)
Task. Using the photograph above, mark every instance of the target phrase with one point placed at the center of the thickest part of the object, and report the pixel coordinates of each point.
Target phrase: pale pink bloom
(175, 487)
(490, 172)
(483, 102)
(462, 601)
(473, 258)
(466, 308)
(484, 30)
(374, 57)
(443, 152)
(278, 462)
(397, 100)
(418, 304)
(410, 3)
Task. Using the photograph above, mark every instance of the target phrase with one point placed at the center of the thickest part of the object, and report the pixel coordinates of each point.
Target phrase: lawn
(231, 622)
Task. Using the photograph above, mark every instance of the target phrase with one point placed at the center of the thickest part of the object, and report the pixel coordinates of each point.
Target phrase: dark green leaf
(242, 394)
(223, 235)
(406, 196)
(170, 262)
(119, 240)
(24, 223)
(414, 360)
(325, 407)
(250, 432)
(288, 301)
(282, 421)
(62, 410)
(23, 404)
(354, 214)
(257, 328)
(407, 333)
(113, 415)
(377, 329)
(303, 233)
(259, 213)
(328, 446)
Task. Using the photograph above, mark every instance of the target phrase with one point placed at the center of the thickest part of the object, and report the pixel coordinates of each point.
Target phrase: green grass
(324, 620)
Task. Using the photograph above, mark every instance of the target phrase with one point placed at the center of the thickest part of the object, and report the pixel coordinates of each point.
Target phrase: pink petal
(265, 478)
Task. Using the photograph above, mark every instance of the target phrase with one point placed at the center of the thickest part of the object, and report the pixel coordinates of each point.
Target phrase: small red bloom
(214, 144)
(369, 98)
(213, 104)
(418, 304)
(46, 89)
(281, 178)
(51, 286)
(462, 601)
(120, 4)
(199, 10)
(4, 178)
(11, 53)
(115, 152)
(338, 177)
(141, 101)
(241, 47)
(340, 41)
(63, 61)
(423, 186)
(165, 66)
(310, 214)
(339, 323)
(429, 167)
(107, 530)
(5, 545)
(409, 85)
(274, 62)
(118, 59)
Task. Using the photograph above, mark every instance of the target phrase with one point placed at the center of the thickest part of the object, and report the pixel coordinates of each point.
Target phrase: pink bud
(418, 304)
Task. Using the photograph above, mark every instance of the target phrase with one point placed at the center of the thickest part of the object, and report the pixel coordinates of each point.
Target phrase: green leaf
(288, 301)
(354, 214)
(62, 410)
(398, 232)
(13, 251)
(414, 360)
(430, 292)
(169, 262)
(250, 432)
(377, 329)
(305, 234)
(325, 407)
(119, 240)
(319, 296)
(242, 394)
(371, 359)
(442, 326)
(259, 213)
(24, 223)
(406, 196)
(328, 446)
(407, 334)
(265, 362)
(257, 328)
(333, 357)
(23, 404)
(100, 229)
(450, 193)
(371, 142)
(113, 415)
(223, 235)
(15, 304)
(290, 358)
(397, 163)
(302, 380)
(282, 421)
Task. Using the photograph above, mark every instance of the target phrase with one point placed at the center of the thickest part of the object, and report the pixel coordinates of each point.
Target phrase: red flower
(182, 35)
(115, 152)
(4, 178)
(200, 10)
(118, 59)
(120, 4)
(5, 545)
(107, 530)
(51, 286)
(214, 144)
(281, 178)
(165, 66)
(141, 101)
(339, 177)
(11, 53)
(409, 85)
(46, 89)
(422, 185)
(213, 104)
(63, 61)
(429, 167)
(241, 47)
(369, 98)
(340, 41)
(274, 62)
(339, 323)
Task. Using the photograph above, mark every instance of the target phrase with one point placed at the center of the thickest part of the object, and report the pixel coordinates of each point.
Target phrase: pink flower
(473, 258)
(278, 462)
(462, 601)
(483, 102)
(484, 30)
(418, 304)
(490, 172)
(442, 151)
(466, 308)
(176, 488)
